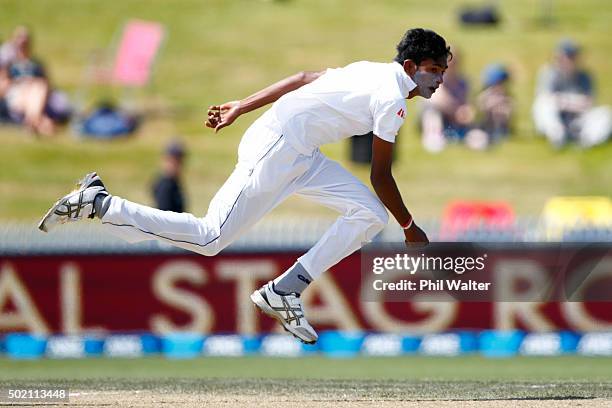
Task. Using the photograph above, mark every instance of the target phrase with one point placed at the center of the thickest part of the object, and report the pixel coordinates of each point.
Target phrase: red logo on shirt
(401, 113)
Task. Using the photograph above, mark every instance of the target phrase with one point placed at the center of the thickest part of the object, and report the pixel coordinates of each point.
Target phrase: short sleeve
(388, 118)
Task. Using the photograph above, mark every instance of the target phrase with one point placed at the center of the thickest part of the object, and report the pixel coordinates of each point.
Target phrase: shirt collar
(406, 84)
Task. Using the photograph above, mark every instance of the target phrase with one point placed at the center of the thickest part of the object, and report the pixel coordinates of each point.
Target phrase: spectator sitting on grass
(495, 107)
(29, 97)
(563, 109)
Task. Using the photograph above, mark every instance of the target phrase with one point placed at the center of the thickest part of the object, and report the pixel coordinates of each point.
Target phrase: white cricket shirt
(359, 98)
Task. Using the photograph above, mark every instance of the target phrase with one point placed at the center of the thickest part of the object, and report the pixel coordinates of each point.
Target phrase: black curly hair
(419, 44)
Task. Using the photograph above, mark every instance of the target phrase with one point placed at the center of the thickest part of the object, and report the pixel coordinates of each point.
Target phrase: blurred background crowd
(564, 109)
(527, 85)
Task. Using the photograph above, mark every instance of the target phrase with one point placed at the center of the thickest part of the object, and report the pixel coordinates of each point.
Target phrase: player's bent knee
(373, 219)
(378, 225)
(210, 250)
(384, 217)
(380, 216)
(378, 219)
(377, 222)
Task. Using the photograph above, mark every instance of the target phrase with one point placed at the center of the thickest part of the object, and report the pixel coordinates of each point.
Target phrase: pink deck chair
(130, 66)
(138, 46)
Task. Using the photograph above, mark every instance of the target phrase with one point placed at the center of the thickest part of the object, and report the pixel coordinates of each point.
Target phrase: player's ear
(410, 67)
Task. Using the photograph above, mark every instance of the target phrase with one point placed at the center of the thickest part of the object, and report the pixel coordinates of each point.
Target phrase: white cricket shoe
(287, 309)
(74, 206)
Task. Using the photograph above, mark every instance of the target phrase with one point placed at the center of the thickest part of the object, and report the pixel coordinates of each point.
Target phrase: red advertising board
(170, 292)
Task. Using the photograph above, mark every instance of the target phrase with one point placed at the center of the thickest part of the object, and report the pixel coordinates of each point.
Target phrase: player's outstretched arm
(386, 189)
(220, 116)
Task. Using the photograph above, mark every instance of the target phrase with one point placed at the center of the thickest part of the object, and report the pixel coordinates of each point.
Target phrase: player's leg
(363, 216)
(135, 222)
(257, 185)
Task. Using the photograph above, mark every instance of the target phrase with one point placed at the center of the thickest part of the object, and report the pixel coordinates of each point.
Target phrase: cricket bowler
(279, 156)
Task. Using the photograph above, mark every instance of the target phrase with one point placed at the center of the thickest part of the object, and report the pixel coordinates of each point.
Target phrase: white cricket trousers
(269, 169)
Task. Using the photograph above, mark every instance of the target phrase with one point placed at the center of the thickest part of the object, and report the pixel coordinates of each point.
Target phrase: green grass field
(403, 378)
(220, 50)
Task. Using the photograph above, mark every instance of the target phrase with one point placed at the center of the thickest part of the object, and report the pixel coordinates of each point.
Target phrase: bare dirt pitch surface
(237, 393)
(183, 400)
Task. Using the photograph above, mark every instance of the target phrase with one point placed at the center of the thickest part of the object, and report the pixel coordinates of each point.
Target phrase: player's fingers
(220, 126)
(212, 122)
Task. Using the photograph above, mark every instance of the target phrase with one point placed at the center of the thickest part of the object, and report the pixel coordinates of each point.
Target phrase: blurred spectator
(563, 108)
(8, 53)
(22, 64)
(28, 87)
(495, 107)
(28, 95)
(167, 189)
(4, 86)
(8, 49)
(447, 115)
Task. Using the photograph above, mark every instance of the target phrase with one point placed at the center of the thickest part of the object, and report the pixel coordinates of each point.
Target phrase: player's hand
(415, 236)
(220, 116)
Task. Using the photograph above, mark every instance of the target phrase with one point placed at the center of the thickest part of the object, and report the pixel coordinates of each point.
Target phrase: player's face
(429, 76)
